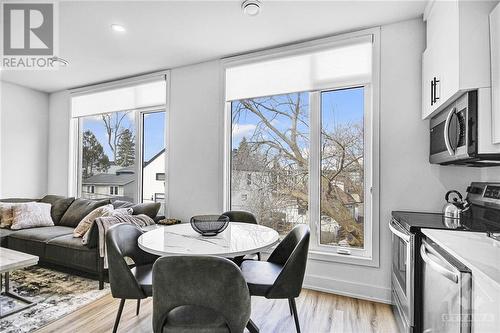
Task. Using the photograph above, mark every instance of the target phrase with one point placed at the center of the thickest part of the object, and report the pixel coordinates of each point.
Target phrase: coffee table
(11, 260)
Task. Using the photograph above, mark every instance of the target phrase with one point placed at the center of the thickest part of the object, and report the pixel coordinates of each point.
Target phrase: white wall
(407, 179)
(59, 117)
(195, 137)
(23, 142)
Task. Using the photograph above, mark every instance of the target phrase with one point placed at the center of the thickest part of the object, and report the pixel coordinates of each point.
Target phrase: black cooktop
(483, 214)
(477, 218)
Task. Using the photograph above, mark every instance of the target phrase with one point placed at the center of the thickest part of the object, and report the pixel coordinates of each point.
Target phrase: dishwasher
(446, 291)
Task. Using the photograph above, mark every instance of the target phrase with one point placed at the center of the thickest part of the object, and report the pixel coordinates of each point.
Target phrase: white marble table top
(237, 240)
(11, 260)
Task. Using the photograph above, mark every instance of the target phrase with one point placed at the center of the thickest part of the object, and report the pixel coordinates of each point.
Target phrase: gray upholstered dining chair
(199, 294)
(244, 217)
(128, 282)
(282, 275)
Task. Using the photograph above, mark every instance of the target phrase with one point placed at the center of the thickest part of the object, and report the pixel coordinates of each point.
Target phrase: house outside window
(307, 144)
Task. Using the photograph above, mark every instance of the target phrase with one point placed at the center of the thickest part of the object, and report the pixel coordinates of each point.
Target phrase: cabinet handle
(432, 92)
(436, 97)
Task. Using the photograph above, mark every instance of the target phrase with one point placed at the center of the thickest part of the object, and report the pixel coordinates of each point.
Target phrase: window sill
(342, 258)
(318, 255)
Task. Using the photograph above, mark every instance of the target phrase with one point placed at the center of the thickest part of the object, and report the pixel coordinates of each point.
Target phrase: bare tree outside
(270, 161)
(342, 170)
(116, 126)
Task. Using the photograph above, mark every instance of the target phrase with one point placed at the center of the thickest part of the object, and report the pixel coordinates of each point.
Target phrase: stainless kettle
(456, 206)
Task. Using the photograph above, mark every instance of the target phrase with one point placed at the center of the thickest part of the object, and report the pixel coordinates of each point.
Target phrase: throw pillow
(150, 209)
(59, 206)
(122, 211)
(121, 204)
(79, 209)
(86, 222)
(30, 215)
(6, 215)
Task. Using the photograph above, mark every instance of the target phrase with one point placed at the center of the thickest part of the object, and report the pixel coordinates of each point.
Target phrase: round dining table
(238, 239)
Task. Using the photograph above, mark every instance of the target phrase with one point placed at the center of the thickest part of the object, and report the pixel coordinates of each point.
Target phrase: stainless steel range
(407, 282)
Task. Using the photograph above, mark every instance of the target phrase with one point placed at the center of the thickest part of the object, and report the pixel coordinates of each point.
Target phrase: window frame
(75, 135)
(370, 254)
(139, 152)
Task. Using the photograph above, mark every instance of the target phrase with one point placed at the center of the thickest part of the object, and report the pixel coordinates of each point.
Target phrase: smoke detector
(251, 7)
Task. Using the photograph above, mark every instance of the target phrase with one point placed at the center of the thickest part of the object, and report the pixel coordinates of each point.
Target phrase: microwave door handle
(446, 132)
(452, 276)
(398, 233)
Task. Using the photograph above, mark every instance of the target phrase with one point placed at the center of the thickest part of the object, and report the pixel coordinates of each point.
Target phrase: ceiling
(168, 34)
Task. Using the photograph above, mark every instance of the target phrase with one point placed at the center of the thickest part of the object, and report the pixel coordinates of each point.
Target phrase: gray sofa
(55, 245)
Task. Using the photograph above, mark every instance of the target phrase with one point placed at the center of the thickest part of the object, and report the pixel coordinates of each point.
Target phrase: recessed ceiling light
(118, 28)
(251, 7)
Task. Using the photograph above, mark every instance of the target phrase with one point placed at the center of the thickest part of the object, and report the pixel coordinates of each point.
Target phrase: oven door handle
(446, 131)
(452, 276)
(394, 229)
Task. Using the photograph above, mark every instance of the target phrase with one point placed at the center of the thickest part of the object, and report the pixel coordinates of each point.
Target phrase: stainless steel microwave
(462, 132)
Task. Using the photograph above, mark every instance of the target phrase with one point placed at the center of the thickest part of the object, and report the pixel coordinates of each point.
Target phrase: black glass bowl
(209, 225)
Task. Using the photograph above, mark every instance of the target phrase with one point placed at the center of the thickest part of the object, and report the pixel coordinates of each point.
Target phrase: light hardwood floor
(318, 312)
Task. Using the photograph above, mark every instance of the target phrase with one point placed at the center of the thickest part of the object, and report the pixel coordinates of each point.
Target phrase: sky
(337, 106)
(154, 131)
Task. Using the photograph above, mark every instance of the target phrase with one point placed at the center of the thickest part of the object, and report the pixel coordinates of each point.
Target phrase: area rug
(56, 294)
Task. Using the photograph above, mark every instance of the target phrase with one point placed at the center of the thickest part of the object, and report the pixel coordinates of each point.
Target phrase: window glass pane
(342, 169)
(153, 171)
(108, 156)
(270, 159)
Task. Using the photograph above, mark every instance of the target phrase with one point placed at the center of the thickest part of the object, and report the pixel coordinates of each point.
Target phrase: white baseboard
(347, 288)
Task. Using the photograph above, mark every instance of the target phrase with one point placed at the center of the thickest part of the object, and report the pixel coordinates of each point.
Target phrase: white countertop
(180, 239)
(474, 249)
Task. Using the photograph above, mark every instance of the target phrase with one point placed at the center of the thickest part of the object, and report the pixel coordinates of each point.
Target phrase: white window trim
(139, 119)
(371, 255)
(75, 139)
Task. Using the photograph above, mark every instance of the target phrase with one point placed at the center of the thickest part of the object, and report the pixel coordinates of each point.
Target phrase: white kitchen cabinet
(485, 305)
(495, 72)
(457, 57)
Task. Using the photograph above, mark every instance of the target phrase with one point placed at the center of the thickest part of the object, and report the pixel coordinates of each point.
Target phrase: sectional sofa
(56, 245)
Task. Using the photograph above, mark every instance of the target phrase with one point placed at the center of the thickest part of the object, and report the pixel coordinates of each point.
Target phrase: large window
(120, 153)
(301, 138)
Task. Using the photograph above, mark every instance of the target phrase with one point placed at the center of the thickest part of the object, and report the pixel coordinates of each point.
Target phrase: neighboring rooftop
(109, 179)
